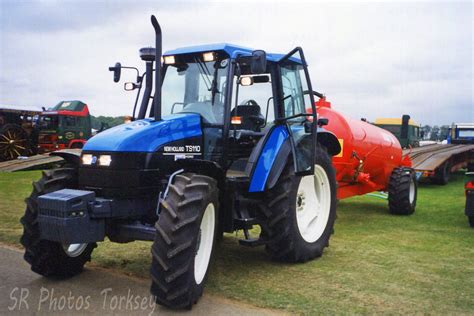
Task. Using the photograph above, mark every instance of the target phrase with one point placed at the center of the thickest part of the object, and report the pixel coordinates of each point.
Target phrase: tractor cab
(244, 99)
(66, 125)
(238, 93)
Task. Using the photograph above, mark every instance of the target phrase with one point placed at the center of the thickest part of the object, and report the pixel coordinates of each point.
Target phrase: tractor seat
(251, 117)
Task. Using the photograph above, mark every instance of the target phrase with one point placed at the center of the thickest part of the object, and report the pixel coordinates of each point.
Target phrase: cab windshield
(195, 86)
(48, 122)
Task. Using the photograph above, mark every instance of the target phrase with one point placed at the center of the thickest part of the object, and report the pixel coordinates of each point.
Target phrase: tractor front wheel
(299, 212)
(49, 258)
(402, 191)
(185, 236)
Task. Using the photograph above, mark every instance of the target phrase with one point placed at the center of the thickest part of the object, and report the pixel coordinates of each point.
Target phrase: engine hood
(146, 135)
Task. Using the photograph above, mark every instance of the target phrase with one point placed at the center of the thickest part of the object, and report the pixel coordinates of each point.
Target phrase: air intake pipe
(158, 71)
(148, 55)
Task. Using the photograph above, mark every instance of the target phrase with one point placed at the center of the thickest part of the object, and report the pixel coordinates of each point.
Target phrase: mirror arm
(136, 69)
(136, 100)
(318, 94)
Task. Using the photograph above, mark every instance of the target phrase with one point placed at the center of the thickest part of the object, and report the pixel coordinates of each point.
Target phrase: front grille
(52, 213)
(120, 183)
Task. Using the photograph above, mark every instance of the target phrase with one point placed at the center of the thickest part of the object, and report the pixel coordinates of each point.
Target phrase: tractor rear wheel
(13, 142)
(402, 191)
(185, 237)
(49, 258)
(299, 212)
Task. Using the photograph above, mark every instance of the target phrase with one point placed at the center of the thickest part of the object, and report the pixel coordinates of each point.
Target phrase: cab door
(295, 97)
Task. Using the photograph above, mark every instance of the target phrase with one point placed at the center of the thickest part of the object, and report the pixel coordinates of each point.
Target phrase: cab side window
(69, 121)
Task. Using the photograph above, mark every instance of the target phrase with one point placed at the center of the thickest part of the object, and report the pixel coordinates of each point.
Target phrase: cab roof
(232, 50)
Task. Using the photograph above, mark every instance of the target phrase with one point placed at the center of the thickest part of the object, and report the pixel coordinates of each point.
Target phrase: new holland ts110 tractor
(226, 143)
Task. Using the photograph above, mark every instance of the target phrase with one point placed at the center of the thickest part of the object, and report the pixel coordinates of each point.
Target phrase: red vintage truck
(66, 125)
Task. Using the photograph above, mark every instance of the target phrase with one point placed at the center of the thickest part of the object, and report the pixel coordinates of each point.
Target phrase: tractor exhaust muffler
(158, 71)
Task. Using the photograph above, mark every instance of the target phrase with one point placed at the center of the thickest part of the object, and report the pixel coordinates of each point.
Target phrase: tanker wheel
(13, 142)
(185, 235)
(48, 258)
(402, 191)
(299, 212)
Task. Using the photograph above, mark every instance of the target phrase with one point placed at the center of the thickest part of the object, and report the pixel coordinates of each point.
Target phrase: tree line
(435, 132)
(104, 122)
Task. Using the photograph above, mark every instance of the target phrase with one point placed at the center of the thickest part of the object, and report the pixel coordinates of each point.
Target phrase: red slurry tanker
(370, 160)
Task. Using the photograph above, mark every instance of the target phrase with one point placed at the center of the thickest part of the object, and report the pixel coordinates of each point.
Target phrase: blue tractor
(222, 141)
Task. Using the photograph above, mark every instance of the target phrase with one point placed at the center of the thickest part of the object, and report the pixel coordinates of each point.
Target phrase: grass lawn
(376, 263)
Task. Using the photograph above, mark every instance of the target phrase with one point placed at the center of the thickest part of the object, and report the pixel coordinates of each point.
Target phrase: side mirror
(323, 121)
(129, 86)
(258, 64)
(117, 69)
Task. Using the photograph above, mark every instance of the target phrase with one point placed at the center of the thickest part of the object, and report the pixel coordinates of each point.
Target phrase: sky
(371, 59)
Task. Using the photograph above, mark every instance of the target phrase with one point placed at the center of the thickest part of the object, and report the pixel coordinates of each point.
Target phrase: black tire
(14, 142)
(47, 257)
(471, 220)
(442, 174)
(400, 200)
(178, 234)
(279, 211)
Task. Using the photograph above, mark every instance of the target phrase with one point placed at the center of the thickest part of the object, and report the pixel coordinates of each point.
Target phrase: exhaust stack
(158, 71)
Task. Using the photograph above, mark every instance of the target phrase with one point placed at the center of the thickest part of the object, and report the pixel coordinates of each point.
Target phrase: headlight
(87, 159)
(208, 56)
(105, 160)
(169, 60)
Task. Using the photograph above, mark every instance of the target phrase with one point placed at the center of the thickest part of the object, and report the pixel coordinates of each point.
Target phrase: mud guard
(273, 153)
(72, 156)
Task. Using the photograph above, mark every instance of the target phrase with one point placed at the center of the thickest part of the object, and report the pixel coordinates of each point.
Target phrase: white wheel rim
(412, 191)
(205, 242)
(74, 250)
(313, 205)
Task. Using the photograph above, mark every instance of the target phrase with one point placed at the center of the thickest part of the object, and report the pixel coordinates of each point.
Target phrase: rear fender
(329, 141)
(269, 153)
(274, 155)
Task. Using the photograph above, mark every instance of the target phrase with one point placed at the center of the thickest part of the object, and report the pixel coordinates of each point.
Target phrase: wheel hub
(74, 250)
(300, 201)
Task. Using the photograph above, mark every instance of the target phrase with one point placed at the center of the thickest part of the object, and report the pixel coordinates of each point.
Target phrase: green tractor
(225, 144)
(405, 130)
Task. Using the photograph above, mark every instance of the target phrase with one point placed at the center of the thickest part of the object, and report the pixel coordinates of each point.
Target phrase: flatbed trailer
(41, 161)
(437, 161)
